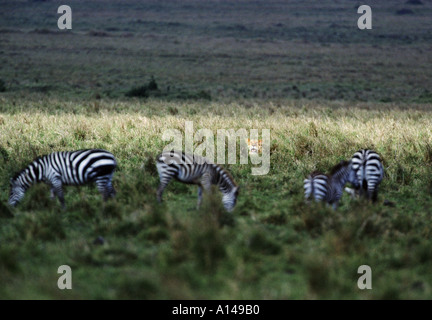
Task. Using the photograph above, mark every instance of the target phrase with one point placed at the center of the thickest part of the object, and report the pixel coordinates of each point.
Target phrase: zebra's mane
(222, 170)
(19, 173)
(317, 173)
(339, 166)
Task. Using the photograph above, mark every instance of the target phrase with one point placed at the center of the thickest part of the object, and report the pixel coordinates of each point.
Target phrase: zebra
(370, 172)
(66, 168)
(192, 169)
(329, 187)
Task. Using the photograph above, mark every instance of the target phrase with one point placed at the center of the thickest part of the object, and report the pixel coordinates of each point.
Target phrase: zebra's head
(353, 177)
(229, 199)
(343, 172)
(17, 192)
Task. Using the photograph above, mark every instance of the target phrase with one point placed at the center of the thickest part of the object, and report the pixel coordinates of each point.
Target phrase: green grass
(127, 72)
(272, 246)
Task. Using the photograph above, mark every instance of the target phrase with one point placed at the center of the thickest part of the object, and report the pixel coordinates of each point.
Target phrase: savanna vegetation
(128, 71)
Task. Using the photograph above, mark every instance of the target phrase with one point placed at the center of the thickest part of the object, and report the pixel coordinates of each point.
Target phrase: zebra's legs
(160, 191)
(373, 195)
(162, 186)
(105, 187)
(363, 190)
(205, 184)
(108, 191)
(112, 192)
(372, 191)
(351, 191)
(335, 205)
(57, 190)
(199, 196)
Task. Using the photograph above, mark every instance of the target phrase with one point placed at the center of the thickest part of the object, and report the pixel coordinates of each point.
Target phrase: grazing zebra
(192, 169)
(329, 188)
(370, 172)
(66, 168)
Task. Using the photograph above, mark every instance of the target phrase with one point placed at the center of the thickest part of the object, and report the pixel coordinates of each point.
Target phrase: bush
(152, 85)
(143, 91)
(140, 92)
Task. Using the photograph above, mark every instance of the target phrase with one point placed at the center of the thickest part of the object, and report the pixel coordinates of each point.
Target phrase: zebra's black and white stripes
(316, 186)
(370, 172)
(329, 188)
(364, 171)
(197, 170)
(66, 168)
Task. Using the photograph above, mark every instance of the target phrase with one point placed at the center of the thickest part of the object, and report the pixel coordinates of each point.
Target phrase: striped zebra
(192, 169)
(66, 168)
(329, 188)
(370, 172)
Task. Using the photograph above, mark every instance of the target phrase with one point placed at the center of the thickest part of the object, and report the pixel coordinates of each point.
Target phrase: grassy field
(226, 49)
(126, 73)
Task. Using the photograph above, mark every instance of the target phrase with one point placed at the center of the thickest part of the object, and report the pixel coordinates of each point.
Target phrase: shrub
(144, 91)
(152, 85)
(140, 92)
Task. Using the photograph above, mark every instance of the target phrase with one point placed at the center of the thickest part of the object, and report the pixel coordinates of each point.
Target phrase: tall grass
(273, 246)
